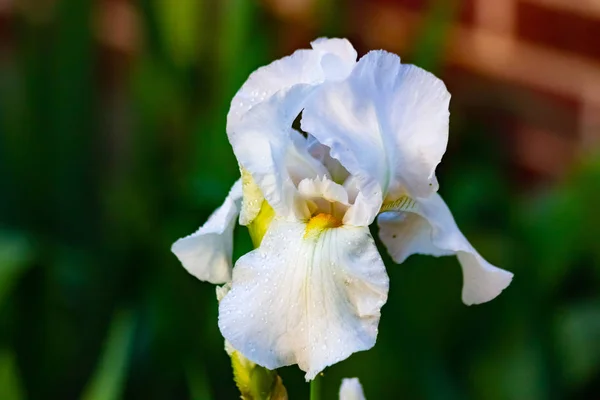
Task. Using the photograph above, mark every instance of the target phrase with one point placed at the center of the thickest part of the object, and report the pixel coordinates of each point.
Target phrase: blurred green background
(113, 145)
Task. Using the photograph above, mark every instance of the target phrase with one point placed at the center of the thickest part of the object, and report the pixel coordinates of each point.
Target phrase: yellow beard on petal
(259, 218)
(319, 223)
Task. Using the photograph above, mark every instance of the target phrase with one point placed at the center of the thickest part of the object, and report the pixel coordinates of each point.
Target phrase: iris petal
(206, 253)
(261, 116)
(351, 389)
(310, 300)
(387, 124)
(431, 229)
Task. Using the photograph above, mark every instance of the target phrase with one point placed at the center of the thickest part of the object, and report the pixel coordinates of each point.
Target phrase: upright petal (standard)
(262, 112)
(387, 124)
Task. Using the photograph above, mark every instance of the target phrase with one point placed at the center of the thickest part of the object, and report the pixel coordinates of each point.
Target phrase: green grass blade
(108, 381)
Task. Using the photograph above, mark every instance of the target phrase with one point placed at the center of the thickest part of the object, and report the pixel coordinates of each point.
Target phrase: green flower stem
(315, 389)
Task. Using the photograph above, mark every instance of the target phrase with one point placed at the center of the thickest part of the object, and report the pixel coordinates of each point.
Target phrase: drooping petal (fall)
(387, 124)
(431, 229)
(406, 233)
(351, 389)
(310, 295)
(206, 253)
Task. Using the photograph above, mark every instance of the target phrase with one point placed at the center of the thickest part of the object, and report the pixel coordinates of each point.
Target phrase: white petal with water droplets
(387, 124)
(406, 233)
(310, 300)
(206, 253)
(323, 188)
(432, 230)
(320, 152)
(261, 115)
(324, 196)
(339, 57)
(302, 67)
(351, 389)
(264, 147)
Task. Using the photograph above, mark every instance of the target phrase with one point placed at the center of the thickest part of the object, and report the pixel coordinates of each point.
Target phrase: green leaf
(107, 383)
(577, 330)
(198, 382)
(10, 386)
(15, 256)
(180, 26)
(513, 368)
(429, 47)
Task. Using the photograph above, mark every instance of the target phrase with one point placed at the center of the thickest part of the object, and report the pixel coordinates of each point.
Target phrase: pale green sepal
(256, 382)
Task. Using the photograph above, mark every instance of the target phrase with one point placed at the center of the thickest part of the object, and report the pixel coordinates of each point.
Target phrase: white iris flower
(373, 132)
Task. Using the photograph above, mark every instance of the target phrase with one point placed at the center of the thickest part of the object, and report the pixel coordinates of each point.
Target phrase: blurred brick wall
(534, 62)
(539, 58)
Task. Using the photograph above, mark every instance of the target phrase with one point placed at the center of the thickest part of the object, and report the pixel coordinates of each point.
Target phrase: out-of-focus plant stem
(315, 389)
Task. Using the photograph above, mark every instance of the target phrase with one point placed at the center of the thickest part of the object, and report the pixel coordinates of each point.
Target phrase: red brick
(558, 29)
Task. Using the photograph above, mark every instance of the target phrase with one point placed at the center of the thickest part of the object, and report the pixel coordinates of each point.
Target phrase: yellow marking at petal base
(319, 223)
(259, 225)
(252, 200)
(403, 203)
(256, 213)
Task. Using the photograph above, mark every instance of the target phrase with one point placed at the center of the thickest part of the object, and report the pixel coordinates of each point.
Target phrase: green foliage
(181, 29)
(10, 387)
(577, 329)
(109, 377)
(435, 33)
(16, 254)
